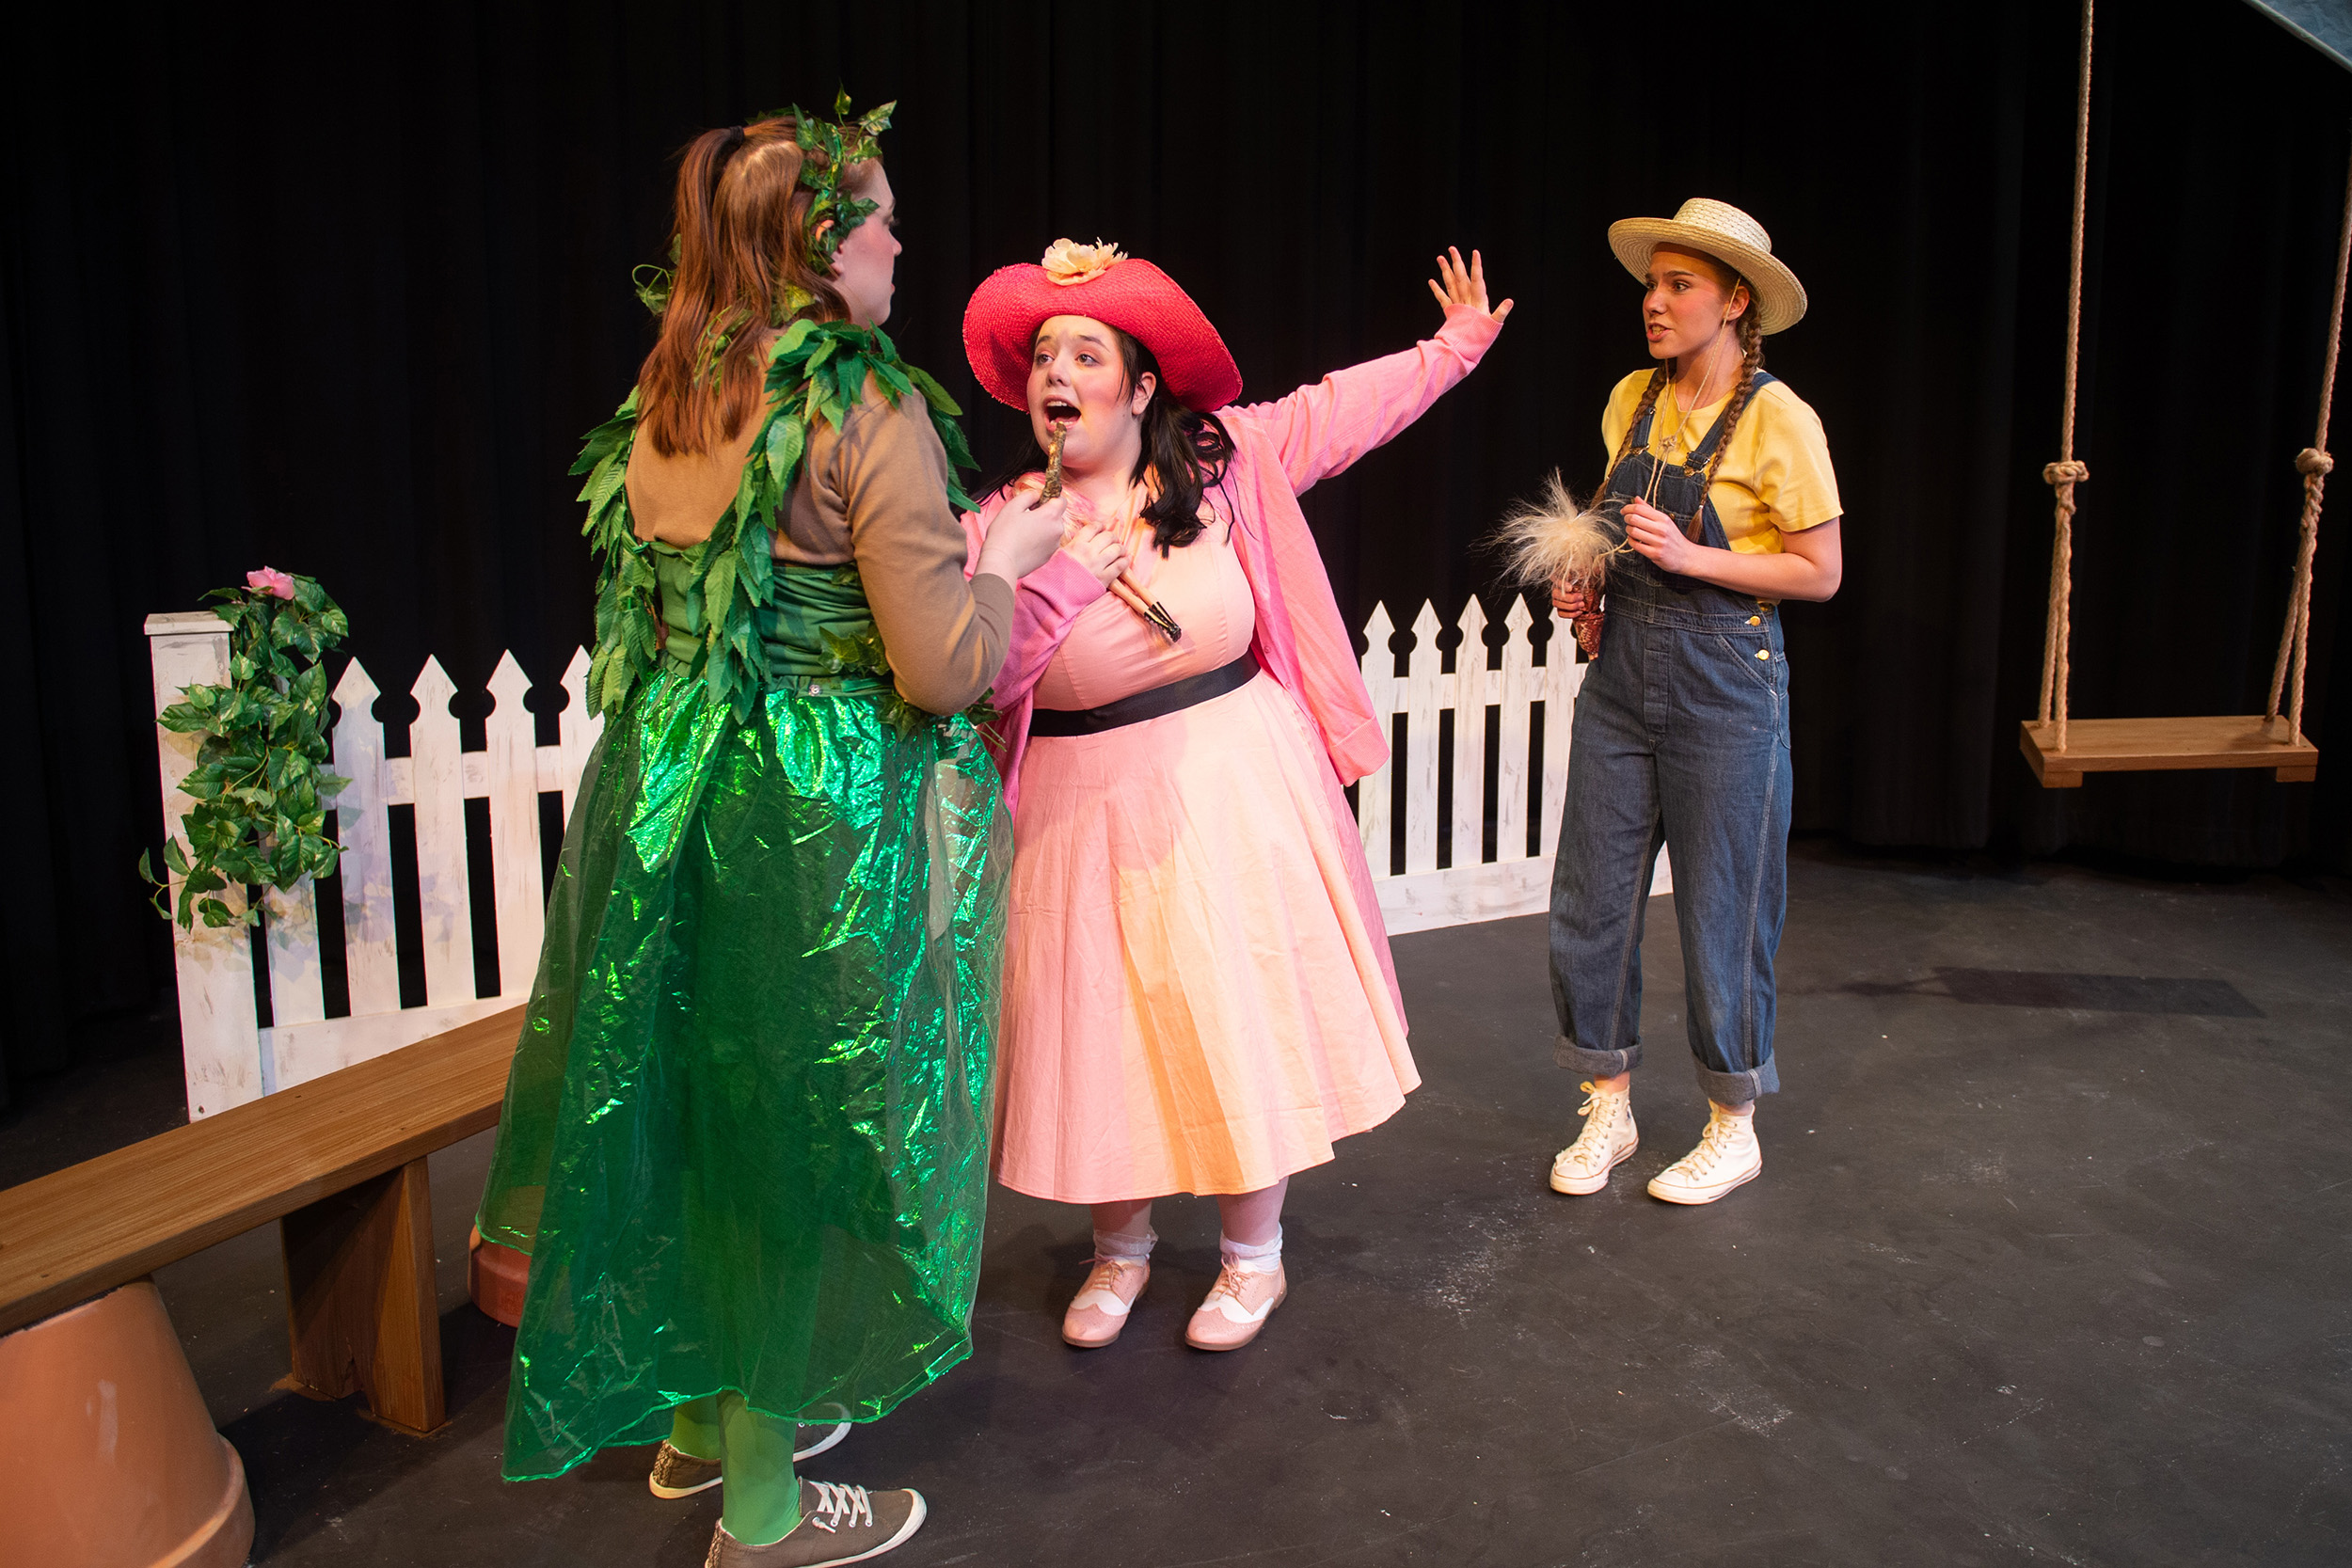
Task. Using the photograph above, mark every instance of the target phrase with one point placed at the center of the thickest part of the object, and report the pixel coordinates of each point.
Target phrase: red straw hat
(1001, 322)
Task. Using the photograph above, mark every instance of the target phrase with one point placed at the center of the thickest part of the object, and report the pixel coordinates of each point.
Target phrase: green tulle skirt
(746, 1133)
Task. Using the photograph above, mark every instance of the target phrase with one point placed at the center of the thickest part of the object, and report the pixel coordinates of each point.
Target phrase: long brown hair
(741, 248)
(1750, 330)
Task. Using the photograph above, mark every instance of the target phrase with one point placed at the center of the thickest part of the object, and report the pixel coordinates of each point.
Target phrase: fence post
(298, 991)
(436, 771)
(1519, 692)
(1564, 674)
(512, 764)
(365, 867)
(219, 1033)
(1424, 694)
(1469, 738)
(1372, 790)
(576, 730)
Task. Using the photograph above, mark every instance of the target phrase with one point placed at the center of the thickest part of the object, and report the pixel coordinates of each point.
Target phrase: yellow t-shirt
(1776, 477)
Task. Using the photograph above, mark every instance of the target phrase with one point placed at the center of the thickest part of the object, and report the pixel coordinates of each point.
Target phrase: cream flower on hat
(1067, 261)
(1127, 291)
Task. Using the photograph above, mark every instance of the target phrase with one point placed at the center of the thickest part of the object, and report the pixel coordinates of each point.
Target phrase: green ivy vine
(260, 783)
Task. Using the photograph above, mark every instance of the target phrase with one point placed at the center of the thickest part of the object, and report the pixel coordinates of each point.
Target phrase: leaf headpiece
(828, 150)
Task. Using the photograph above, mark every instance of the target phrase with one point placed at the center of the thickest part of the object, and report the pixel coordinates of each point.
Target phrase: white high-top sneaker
(1726, 1156)
(1609, 1139)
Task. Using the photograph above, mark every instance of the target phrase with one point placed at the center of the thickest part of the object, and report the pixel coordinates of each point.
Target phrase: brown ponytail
(744, 264)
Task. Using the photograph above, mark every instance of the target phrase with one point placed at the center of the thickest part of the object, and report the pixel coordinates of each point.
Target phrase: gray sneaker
(681, 1475)
(816, 1441)
(838, 1524)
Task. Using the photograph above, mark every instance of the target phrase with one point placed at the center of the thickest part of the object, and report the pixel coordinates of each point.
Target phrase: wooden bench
(339, 1163)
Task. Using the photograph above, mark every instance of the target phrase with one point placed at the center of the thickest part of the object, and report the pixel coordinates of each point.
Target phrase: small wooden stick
(1129, 591)
(1053, 465)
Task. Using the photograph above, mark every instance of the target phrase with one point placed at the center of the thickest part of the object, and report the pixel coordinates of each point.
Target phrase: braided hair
(1751, 326)
(1750, 329)
(1659, 376)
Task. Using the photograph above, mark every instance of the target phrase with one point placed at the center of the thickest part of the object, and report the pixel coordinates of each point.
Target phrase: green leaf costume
(745, 1134)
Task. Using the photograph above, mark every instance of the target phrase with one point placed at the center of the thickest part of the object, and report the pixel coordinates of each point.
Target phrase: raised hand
(1463, 285)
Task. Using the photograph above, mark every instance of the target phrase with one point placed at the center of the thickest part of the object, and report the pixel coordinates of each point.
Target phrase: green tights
(762, 1499)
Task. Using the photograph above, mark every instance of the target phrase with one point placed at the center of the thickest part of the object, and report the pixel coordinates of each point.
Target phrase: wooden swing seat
(2152, 744)
(2061, 753)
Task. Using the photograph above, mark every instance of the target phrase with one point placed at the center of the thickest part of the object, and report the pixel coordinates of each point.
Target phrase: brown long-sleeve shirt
(874, 492)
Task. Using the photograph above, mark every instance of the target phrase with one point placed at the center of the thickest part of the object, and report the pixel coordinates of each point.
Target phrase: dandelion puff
(1553, 539)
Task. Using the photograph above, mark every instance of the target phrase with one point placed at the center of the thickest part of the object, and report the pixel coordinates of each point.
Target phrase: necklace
(1676, 448)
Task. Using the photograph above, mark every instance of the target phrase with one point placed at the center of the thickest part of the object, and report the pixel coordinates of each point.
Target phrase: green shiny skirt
(745, 1139)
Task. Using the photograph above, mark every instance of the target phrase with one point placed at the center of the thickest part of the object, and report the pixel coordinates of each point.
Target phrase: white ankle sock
(1117, 1246)
(1262, 1258)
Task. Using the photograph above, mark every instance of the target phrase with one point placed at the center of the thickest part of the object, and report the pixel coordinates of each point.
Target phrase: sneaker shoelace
(1591, 1145)
(1715, 1146)
(838, 1505)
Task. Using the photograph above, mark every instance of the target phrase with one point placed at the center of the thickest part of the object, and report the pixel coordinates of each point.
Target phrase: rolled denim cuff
(1595, 1063)
(1734, 1088)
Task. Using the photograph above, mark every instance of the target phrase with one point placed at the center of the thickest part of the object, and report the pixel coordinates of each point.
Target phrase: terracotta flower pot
(496, 1278)
(117, 1465)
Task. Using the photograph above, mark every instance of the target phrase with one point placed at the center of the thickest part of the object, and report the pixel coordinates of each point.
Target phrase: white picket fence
(231, 1059)
(1419, 895)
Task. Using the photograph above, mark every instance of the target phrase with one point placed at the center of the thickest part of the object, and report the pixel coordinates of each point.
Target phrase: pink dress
(1195, 998)
(1199, 995)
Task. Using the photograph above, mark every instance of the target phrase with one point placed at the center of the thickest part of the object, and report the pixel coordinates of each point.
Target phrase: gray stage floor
(2048, 1262)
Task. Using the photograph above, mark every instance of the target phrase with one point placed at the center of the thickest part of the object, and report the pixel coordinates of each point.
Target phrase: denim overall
(1681, 737)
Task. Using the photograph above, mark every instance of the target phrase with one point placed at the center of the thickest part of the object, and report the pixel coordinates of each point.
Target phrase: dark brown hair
(741, 244)
(1184, 452)
(1750, 328)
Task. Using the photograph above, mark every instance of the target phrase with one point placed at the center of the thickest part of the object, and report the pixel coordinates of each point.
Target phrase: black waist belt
(1174, 697)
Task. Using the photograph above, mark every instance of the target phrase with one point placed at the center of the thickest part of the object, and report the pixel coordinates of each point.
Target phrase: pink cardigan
(1281, 449)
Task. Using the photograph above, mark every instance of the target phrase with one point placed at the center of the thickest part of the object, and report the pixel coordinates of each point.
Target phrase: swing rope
(2313, 464)
(2064, 474)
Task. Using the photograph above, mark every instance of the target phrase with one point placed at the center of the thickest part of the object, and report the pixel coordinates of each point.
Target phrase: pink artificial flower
(272, 581)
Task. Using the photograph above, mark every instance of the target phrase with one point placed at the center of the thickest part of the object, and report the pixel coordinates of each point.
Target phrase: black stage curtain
(340, 291)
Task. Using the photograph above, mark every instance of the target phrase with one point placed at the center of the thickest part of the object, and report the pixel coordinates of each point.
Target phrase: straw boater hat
(1001, 322)
(1718, 230)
